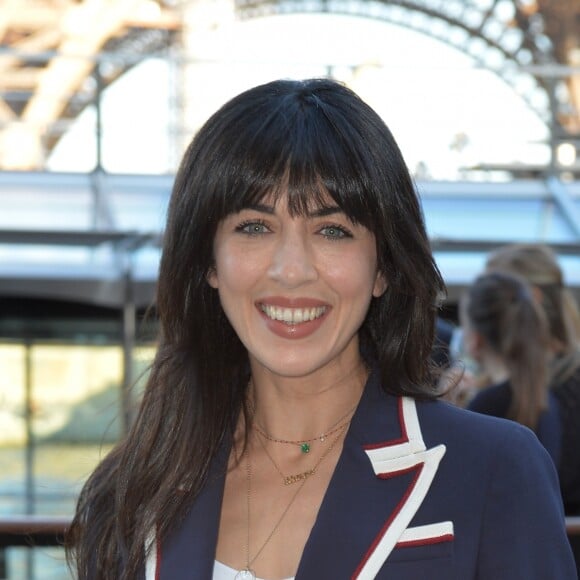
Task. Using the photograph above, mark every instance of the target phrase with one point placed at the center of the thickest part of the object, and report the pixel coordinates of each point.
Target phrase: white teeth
(292, 315)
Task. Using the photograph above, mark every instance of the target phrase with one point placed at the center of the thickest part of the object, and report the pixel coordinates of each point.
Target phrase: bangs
(304, 195)
(300, 150)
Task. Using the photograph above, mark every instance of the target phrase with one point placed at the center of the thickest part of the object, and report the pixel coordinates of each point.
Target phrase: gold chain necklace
(304, 475)
(304, 444)
(248, 573)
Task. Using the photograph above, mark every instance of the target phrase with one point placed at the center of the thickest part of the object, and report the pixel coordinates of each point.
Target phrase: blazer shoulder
(443, 422)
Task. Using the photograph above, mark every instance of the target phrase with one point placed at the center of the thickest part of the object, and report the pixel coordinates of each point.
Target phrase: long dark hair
(303, 139)
(501, 308)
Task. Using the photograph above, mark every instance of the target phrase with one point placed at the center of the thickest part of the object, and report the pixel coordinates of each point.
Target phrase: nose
(292, 261)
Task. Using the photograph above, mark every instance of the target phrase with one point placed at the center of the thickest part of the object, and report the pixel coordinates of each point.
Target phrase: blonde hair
(538, 264)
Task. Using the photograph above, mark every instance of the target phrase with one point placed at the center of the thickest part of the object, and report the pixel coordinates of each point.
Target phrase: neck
(299, 408)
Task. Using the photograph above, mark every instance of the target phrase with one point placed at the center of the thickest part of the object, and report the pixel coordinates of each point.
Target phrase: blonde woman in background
(539, 265)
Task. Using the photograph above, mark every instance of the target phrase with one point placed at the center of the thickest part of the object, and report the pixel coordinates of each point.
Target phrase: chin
(291, 368)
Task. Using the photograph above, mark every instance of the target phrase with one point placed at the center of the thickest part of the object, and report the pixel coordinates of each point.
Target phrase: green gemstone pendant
(305, 448)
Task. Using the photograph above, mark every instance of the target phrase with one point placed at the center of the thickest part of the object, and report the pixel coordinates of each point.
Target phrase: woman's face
(296, 289)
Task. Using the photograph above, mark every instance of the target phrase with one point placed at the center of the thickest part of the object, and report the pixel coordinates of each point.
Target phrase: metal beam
(565, 203)
(83, 238)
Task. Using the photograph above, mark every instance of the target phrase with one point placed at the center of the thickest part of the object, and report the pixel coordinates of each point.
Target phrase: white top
(223, 572)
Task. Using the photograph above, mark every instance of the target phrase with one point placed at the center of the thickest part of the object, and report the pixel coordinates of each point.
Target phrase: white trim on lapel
(152, 557)
(404, 455)
(411, 440)
(429, 534)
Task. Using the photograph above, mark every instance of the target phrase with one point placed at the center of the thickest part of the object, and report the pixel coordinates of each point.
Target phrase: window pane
(75, 409)
(12, 428)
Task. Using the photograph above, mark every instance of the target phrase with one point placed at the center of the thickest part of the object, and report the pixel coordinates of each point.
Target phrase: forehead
(300, 203)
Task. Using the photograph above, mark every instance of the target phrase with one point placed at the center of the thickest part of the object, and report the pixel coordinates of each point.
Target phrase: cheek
(234, 271)
(353, 278)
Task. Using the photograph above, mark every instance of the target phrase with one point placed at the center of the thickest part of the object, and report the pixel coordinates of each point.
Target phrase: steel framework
(52, 67)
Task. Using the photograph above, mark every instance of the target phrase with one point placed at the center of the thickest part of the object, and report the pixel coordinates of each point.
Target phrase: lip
(293, 331)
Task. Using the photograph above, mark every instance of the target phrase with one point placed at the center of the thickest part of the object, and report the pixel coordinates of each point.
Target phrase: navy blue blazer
(421, 490)
(496, 400)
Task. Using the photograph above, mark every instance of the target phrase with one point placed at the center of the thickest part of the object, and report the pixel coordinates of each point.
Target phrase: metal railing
(37, 531)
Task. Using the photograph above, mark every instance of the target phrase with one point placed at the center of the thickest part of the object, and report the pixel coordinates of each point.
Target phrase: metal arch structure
(52, 65)
(519, 41)
(53, 53)
(561, 23)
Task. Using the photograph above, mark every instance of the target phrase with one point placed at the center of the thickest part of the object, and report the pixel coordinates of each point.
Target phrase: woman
(506, 333)
(538, 264)
(286, 430)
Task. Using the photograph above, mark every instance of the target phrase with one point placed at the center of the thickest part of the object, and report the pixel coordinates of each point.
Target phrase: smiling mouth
(292, 315)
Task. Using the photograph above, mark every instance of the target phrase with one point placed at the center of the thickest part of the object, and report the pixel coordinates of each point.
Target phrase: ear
(380, 285)
(212, 277)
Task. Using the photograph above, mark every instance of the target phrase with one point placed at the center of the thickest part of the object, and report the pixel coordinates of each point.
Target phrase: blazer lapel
(189, 552)
(380, 481)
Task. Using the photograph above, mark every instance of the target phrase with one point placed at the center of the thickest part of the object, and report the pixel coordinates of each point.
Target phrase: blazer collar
(380, 481)
(382, 476)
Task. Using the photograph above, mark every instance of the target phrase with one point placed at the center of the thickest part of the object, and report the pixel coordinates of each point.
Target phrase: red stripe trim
(404, 438)
(426, 541)
(389, 474)
(396, 511)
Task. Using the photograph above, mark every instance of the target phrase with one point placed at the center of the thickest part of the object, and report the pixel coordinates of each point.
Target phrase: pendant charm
(290, 479)
(245, 574)
(305, 448)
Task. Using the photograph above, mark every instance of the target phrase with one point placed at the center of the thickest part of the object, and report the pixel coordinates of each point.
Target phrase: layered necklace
(339, 428)
(305, 444)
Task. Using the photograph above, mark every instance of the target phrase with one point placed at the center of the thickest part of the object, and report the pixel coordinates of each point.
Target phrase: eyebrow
(262, 208)
(320, 212)
(324, 211)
